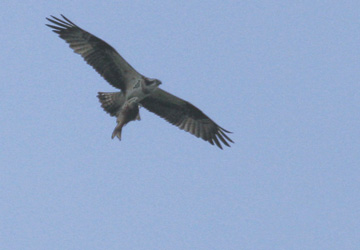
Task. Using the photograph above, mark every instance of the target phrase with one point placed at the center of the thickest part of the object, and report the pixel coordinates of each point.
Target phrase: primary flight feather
(136, 89)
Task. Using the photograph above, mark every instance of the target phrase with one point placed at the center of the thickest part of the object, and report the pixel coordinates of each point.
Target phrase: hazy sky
(282, 75)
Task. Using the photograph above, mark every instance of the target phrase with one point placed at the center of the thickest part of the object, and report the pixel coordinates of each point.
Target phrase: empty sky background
(282, 75)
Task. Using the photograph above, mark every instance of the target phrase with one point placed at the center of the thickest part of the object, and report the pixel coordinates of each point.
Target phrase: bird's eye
(148, 82)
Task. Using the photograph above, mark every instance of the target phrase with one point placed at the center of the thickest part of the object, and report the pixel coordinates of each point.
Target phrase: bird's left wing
(185, 116)
(100, 55)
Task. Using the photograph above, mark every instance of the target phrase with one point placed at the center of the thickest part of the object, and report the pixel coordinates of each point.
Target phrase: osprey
(136, 89)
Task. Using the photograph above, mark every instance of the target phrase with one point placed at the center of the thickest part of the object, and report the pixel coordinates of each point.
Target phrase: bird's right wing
(185, 116)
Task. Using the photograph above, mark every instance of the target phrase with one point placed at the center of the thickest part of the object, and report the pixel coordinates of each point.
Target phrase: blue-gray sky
(282, 75)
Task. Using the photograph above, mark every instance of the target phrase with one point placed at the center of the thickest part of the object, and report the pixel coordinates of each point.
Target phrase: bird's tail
(111, 102)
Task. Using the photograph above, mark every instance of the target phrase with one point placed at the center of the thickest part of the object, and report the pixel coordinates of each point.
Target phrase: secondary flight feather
(136, 89)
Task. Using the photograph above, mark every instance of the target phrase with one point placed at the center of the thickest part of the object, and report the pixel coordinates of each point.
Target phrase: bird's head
(151, 84)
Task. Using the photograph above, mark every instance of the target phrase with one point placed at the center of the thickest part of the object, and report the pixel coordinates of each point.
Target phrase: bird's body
(136, 89)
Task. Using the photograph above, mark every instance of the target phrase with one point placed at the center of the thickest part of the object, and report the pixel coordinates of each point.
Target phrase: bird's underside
(135, 89)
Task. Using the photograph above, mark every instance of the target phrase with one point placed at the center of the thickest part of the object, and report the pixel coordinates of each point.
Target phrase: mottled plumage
(136, 89)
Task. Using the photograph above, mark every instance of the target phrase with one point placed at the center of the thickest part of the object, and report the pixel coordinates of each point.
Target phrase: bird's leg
(122, 117)
(132, 101)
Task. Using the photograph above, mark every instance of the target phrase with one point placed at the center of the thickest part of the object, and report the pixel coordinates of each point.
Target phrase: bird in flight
(136, 90)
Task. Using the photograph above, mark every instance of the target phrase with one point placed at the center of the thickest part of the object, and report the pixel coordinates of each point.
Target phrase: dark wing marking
(100, 55)
(185, 116)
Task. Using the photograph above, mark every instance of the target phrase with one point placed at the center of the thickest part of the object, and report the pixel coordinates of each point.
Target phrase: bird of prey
(136, 89)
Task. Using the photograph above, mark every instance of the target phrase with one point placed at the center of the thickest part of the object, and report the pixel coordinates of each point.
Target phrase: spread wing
(100, 55)
(185, 116)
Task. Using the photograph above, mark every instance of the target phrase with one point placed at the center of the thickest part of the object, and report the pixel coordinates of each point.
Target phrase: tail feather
(111, 102)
